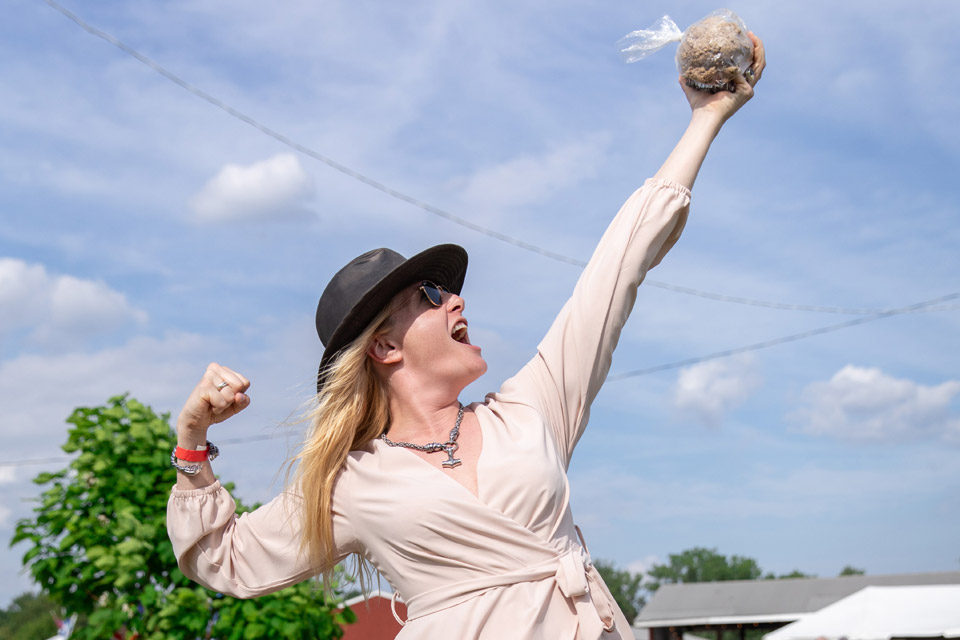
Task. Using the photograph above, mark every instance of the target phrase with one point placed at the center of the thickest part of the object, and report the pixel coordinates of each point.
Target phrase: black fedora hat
(360, 290)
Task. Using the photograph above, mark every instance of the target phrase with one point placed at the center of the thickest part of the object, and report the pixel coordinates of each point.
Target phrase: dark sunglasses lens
(432, 292)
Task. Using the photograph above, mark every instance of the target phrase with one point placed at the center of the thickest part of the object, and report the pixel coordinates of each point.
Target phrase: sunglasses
(433, 292)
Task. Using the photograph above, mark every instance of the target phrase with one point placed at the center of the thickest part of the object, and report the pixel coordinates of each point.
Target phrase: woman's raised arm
(574, 357)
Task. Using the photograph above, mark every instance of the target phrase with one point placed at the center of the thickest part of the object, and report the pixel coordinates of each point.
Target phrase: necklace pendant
(450, 449)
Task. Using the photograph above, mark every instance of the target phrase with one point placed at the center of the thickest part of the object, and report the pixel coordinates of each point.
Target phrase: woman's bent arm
(243, 556)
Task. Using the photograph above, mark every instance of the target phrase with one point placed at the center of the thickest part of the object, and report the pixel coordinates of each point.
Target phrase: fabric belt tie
(576, 578)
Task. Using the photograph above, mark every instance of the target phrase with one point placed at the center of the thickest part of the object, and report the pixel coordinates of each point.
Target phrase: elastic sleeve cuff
(185, 494)
(667, 184)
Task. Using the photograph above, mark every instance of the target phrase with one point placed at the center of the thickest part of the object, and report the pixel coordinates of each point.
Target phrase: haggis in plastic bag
(712, 52)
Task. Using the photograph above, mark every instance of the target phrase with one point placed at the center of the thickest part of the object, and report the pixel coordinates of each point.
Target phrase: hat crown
(349, 285)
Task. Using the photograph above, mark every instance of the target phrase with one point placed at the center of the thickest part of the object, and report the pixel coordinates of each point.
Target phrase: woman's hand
(725, 103)
(220, 394)
(710, 111)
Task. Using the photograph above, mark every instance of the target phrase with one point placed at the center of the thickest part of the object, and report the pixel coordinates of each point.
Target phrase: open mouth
(459, 333)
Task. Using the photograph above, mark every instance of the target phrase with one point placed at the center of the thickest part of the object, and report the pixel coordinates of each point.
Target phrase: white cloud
(860, 403)
(38, 392)
(643, 565)
(7, 475)
(275, 188)
(710, 389)
(55, 308)
(529, 179)
(22, 288)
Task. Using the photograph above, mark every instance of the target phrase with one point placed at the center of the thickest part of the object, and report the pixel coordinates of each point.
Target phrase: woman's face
(433, 340)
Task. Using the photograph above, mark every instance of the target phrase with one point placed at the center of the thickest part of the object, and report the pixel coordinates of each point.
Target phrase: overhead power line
(279, 137)
(628, 374)
(853, 311)
(783, 340)
(24, 463)
(220, 442)
(379, 186)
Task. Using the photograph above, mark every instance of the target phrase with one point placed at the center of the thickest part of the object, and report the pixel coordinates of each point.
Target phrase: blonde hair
(350, 410)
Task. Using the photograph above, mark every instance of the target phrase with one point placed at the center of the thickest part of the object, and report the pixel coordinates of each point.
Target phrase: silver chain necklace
(450, 446)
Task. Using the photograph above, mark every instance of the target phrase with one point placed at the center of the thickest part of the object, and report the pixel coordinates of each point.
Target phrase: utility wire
(853, 311)
(24, 463)
(502, 237)
(777, 341)
(920, 306)
(221, 442)
(870, 315)
(306, 150)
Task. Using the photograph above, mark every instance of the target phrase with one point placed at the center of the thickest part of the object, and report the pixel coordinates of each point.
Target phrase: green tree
(29, 617)
(700, 564)
(796, 573)
(851, 571)
(626, 587)
(98, 544)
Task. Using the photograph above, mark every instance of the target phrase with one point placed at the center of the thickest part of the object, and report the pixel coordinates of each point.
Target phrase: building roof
(882, 613)
(375, 619)
(376, 593)
(750, 601)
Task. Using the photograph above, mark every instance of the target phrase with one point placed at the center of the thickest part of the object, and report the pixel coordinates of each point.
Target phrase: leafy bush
(98, 543)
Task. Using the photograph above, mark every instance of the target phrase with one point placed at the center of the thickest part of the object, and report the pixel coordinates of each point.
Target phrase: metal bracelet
(193, 469)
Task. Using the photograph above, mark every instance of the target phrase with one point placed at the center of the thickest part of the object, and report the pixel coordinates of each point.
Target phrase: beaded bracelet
(197, 456)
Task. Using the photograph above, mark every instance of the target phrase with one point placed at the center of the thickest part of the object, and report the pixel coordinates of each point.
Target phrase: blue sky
(147, 232)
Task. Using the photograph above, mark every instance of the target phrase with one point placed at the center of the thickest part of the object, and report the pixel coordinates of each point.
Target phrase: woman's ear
(384, 350)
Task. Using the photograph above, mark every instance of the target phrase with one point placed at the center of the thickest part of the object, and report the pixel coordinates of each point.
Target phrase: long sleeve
(242, 555)
(574, 357)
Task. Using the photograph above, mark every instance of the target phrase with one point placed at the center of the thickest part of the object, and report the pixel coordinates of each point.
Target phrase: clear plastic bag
(711, 54)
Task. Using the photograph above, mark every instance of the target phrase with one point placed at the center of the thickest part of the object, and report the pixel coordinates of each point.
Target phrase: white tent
(881, 613)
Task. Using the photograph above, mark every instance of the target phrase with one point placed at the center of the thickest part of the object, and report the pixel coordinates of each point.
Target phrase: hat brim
(444, 264)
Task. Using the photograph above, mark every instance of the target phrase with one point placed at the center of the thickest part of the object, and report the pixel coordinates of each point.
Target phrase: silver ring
(221, 386)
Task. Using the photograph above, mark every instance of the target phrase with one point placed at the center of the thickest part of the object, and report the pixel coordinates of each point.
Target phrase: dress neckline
(383, 448)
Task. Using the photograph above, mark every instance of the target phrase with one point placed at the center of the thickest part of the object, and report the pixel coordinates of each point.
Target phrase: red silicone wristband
(192, 456)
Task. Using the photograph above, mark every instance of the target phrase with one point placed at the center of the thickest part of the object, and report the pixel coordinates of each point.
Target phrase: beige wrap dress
(509, 564)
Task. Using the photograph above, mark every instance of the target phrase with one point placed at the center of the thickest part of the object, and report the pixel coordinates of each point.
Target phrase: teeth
(459, 331)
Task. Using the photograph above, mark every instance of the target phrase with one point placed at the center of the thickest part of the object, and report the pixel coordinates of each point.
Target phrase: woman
(464, 510)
